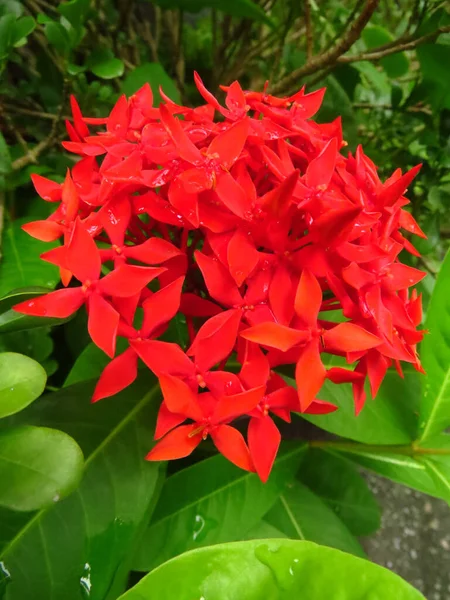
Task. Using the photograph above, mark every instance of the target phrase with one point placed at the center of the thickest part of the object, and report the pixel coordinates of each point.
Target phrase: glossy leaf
(22, 380)
(435, 355)
(38, 466)
(264, 531)
(435, 455)
(300, 514)
(88, 537)
(105, 65)
(273, 570)
(22, 27)
(238, 8)
(57, 37)
(211, 502)
(389, 419)
(337, 482)
(397, 466)
(75, 11)
(156, 76)
(396, 64)
(21, 265)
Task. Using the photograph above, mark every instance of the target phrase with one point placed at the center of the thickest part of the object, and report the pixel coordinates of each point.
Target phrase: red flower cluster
(249, 230)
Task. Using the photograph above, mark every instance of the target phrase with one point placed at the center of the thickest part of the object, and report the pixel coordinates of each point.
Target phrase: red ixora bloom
(247, 231)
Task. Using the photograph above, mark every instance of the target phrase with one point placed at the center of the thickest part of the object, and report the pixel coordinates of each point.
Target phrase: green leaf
(75, 11)
(38, 466)
(377, 87)
(435, 456)
(263, 531)
(300, 514)
(94, 531)
(35, 343)
(208, 503)
(155, 75)
(22, 27)
(91, 362)
(397, 466)
(22, 380)
(21, 265)
(105, 65)
(5, 158)
(434, 59)
(338, 483)
(6, 33)
(57, 37)
(11, 6)
(271, 570)
(395, 65)
(389, 419)
(435, 356)
(245, 9)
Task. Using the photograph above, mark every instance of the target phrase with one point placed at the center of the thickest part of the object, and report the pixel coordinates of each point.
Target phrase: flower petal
(178, 443)
(60, 304)
(103, 322)
(231, 444)
(263, 441)
(310, 374)
(128, 280)
(275, 335)
(117, 375)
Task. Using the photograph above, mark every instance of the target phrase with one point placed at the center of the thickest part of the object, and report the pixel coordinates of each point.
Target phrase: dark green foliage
(392, 89)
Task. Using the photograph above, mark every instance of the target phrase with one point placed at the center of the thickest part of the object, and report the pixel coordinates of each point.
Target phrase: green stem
(406, 450)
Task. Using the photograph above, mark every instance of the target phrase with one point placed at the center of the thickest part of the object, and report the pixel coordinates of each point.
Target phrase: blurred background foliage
(384, 62)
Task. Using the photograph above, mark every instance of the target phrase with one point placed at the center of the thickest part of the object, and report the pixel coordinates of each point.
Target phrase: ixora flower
(249, 229)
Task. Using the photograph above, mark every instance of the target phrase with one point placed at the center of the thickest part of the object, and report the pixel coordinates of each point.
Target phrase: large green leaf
(156, 76)
(22, 380)
(435, 356)
(20, 265)
(389, 419)
(300, 514)
(395, 65)
(337, 482)
(271, 570)
(211, 502)
(396, 466)
(435, 456)
(90, 536)
(238, 8)
(38, 466)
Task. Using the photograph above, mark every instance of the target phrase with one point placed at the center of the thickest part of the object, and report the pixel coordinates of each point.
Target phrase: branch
(35, 113)
(330, 56)
(32, 155)
(378, 53)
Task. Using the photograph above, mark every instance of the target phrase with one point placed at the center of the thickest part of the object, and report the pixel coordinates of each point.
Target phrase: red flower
(256, 228)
